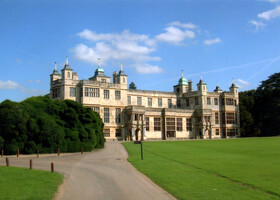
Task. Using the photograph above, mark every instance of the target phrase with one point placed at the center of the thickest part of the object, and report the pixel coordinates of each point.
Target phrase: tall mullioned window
(147, 119)
(229, 101)
(216, 118)
(169, 103)
(217, 132)
(106, 115)
(216, 102)
(157, 126)
(72, 92)
(230, 118)
(106, 132)
(208, 101)
(92, 92)
(106, 94)
(179, 124)
(189, 124)
(150, 102)
(56, 93)
(118, 132)
(178, 103)
(159, 102)
(117, 95)
(118, 115)
(170, 127)
(129, 100)
(139, 101)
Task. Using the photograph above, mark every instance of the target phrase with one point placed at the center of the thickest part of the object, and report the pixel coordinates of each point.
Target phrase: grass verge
(20, 183)
(212, 169)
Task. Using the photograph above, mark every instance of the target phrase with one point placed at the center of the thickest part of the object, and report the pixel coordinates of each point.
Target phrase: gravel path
(102, 174)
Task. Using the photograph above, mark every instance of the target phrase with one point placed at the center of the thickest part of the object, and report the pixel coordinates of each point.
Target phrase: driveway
(103, 174)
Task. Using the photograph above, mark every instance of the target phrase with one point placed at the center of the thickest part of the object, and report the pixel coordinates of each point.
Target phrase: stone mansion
(129, 114)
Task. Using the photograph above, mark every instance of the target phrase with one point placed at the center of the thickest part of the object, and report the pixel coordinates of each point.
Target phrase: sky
(154, 40)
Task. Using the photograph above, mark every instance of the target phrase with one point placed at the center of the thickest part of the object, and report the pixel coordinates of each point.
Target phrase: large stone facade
(149, 115)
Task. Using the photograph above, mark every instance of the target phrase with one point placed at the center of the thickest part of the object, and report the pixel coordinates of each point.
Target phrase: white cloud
(212, 41)
(257, 24)
(147, 69)
(183, 25)
(273, 1)
(242, 82)
(175, 35)
(270, 14)
(9, 85)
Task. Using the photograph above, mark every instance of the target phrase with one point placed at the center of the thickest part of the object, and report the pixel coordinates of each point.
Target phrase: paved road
(103, 174)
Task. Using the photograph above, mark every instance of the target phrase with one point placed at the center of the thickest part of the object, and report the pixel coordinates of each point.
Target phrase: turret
(122, 78)
(201, 86)
(218, 89)
(67, 71)
(99, 74)
(182, 86)
(233, 88)
(55, 75)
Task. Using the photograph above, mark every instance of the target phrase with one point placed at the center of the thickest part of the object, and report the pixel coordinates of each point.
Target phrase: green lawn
(19, 183)
(247, 168)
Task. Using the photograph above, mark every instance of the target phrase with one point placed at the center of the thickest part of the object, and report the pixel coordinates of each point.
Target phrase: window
(123, 80)
(106, 115)
(117, 95)
(170, 127)
(106, 132)
(56, 93)
(118, 115)
(103, 80)
(157, 124)
(129, 100)
(187, 102)
(229, 101)
(189, 125)
(169, 103)
(208, 101)
(139, 101)
(147, 123)
(179, 124)
(96, 109)
(216, 101)
(196, 101)
(178, 103)
(91, 92)
(68, 74)
(106, 94)
(231, 132)
(216, 118)
(118, 132)
(230, 118)
(72, 92)
(150, 102)
(217, 132)
(159, 102)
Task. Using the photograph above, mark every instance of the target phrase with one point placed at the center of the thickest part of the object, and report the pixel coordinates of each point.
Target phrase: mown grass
(24, 184)
(247, 168)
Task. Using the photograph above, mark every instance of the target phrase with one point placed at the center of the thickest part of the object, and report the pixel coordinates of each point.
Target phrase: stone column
(133, 133)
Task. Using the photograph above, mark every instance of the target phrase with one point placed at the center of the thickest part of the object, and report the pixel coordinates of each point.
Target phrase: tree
(267, 106)
(132, 86)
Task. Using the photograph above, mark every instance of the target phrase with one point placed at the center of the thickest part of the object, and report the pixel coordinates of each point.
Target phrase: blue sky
(154, 40)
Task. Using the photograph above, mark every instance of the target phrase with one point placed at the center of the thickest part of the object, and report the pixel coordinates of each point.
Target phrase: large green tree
(39, 123)
(267, 106)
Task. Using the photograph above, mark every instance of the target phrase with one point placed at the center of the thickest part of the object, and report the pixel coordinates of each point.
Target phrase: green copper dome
(99, 69)
(182, 81)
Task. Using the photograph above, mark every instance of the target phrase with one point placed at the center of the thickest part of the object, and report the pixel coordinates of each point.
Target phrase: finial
(182, 73)
(99, 62)
(55, 67)
(201, 76)
(66, 62)
(217, 84)
(233, 80)
(121, 67)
